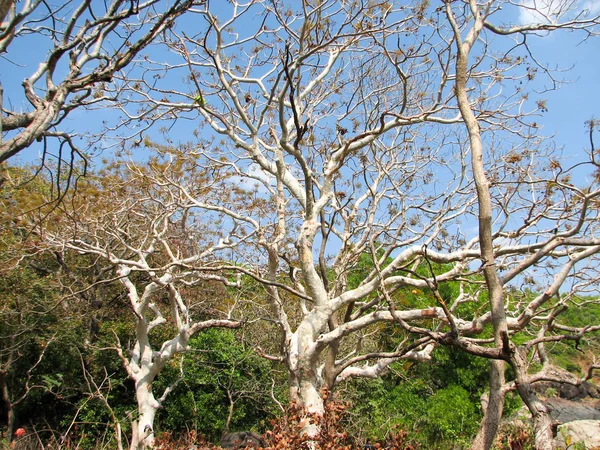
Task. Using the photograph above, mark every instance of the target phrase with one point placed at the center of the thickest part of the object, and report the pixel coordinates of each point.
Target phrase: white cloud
(553, 11)
(255, 178)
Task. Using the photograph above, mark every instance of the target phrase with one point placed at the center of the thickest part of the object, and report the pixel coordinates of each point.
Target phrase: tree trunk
(329, 369)
(143, 428)
(10, 425)
(493, 409)
(8, 405)
(306, 394)
(305, 389)
(494, 286)
(229, 412)
(305, 380)
(542, 421)
(310, 397)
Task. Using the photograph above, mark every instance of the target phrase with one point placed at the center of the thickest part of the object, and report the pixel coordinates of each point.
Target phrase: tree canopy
(360, 185)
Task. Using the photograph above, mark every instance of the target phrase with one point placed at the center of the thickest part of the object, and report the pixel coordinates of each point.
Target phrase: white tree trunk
(143, 428)
(305, 380)
(309, 395)
(489, 427)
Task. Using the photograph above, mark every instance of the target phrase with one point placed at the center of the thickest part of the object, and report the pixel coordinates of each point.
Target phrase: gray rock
(563, 411)
(591, 390)
(569, 391)
(584, 390)
(242, 439)
(585, 432)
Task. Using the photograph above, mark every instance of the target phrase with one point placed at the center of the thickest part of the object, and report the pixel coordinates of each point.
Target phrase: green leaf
(199, 100)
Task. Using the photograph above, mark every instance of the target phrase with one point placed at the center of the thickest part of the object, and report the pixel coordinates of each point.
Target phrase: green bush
(218, 368)
(436, 403)
(450, 416)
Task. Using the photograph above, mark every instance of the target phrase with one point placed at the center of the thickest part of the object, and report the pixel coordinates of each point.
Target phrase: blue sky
(578, 99)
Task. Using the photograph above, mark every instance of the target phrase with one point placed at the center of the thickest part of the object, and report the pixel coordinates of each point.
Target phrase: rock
(568, 391)
(242, 439)
(584, 390)
(591, 390)
(586, 432)
(563, 411)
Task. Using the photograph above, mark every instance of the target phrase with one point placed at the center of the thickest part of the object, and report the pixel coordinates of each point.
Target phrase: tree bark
(493, 413)
(329, 369)
(309, 393)
(307, 386)
(305, 380)
(5, 6)
(10, 411)
(229, 412)
(493, 410)
(306, 393)
(542, 421)
(143, 428)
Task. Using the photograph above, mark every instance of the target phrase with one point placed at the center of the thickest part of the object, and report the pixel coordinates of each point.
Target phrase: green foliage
(582, 315)
(36, 336)
(572, 355)
(449, 416)
(94, 421)
(451, 366)
(437, 403)
(219, 369)
(512, 403)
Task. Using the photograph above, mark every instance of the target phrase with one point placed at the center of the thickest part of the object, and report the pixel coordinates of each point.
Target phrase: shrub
(450, 416)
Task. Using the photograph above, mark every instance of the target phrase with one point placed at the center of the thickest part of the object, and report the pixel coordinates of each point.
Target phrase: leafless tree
(406, 133)
(468, 26)
(160, 261)
(81, 45)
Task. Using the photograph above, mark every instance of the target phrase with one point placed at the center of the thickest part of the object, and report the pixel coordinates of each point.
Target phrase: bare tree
(160, 260)
(403, 133)
(474, 21)
(83, 44)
